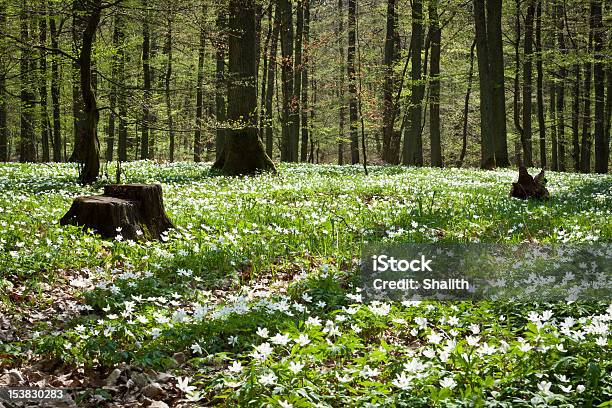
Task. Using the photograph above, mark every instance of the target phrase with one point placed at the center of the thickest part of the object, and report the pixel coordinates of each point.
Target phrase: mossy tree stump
(137, 209)
(529, 187)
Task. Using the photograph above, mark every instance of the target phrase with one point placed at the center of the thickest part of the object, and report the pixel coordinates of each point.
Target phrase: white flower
(313, 321)
(421, 322)
(475, 328)
(306, 297)
(295, 367)
(183, 384)
(546, 315)
(565, 389)
(236, 367)
(268, 379)
(302, 340)
(232, 340)
(401, 381)
(195, 347)
(544, 386)
(434, 338)
(285, 404)
(261, 352)
(472, 340)
(580, 388)
(263, 332)
(601, 341)
(155, 332)
(280, 339)
(448, 382)
(429, 353)
(368, 372)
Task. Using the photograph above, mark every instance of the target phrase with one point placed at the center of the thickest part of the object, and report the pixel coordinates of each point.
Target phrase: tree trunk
(112, 97)
(413, 137)
(576, 118)
(560, 91)
(585, 148)
(91, 145)
(146, 73)
(341, 101)
(220, 84)
(28, 141)
(496, 63)
(516, 100)
(601, 150)
(79, 10)
(540, 85)
(352, 78)
(466, 105)
(288, 136)
(527, 80)
(271, 79)
(122, 133)
(243, 152)
(487, 159)
(297, 81)
(434, 74)
(45, 125)
(4, 151)
(167, 80)
(305, 60)
(391, 55)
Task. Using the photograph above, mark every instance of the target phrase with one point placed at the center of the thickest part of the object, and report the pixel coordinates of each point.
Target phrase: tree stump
(529, 187)
(138, 209)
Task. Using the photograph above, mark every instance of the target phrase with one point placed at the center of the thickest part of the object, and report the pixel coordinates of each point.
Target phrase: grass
(257, 288)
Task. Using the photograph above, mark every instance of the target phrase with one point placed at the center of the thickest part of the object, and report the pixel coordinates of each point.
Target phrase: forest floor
(253, 300)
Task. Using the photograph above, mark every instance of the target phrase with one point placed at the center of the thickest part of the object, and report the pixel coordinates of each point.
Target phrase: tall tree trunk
(167, 81)
(576, 118)
(540, 85)
(220, 83)
(516, 99)
(341, 101)
(352, 78)
(586, 141)
(146, 73)
(28, 141)
(243, 152)
(601, 150)
(297, 81)
(4, 151)
(91, 145)
(45, 125)
(122, 131)
(288, 137)
(434, 74)
(466, 105)
(413, 137)
(112, 97)
(496, 64)
(560, 91)
(487, 159)
(55, 93)
(527, 81)
(305, 61)
(79, 9)
(554, 159)
(264, 72)
(271, 79)
(391, 55)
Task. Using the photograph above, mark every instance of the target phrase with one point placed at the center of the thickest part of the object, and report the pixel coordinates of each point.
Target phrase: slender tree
(305, 81)
(220, 108)
(4, 153)
(434, 84)
(289, 135)
(586, 140)
(391, 56)
(168, 79)
(26, 65)
(560, 83)
(122, 131)
(526, 134)
(271, 80)
(146, 74)
(352, 81)
(540, 84)
(243, 152)
(45, 125)
(601, 150)
(466, 105)
(112, 97)
(297, 80)
(341, 99)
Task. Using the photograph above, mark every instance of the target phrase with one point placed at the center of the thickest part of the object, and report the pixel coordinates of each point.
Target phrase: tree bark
(122, 132)
(576, 118)
(487, 158)
(220, 91)
(146, 73)
(297, 81)
(305, 84)
(413, 137)
(527, 86)
(167, 81)
(341, 101)
(288, 117)
(540, 85)
(391, 56)
(352, 81)
(45, 125)
(466, 105)
(434, 74)
(243, 152)
(26, 65)
(4, 151)
(271, 79)
(560, 91)
(586, 141)
(112, 97)
(601, 150)
(79, 22)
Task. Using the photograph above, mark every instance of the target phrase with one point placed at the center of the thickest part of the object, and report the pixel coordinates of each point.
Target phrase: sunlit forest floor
(253, 300)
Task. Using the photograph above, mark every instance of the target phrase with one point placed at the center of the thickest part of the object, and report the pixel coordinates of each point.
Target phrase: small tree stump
(132, 207)
(529, 187)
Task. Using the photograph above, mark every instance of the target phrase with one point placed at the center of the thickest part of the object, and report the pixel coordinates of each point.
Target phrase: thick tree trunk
(540, 85)
(487, 159)
(4, 153)
(220, 84)
(601, 148)
(297, 81)
(352, 81)
(146, 73)
(413, 137)
(288, 137)
(466, 106)
(45, 124)
(79, 10)
(91, 145)
(243, 152)
(55, 93)
(391, 55)
(527, 81)
(434, 74)
(26, 65)
(305, 84)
